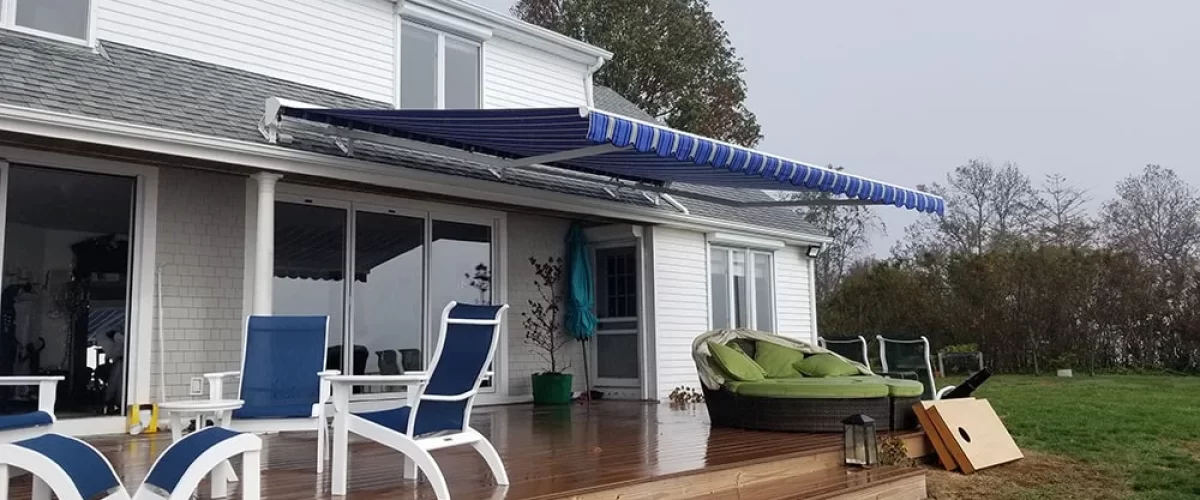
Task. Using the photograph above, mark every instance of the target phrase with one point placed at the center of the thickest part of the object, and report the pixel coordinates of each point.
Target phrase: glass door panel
(310, 269)
(460, 270)
(66, 288)
(388, 298)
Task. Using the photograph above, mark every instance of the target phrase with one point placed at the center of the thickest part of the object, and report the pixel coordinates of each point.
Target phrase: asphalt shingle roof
(135, 85)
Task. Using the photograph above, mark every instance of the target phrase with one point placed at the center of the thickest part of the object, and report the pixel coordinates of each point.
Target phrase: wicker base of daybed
(727, 409)
(903, 416)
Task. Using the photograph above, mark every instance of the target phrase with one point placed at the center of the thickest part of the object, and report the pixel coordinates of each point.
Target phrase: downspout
(812, 297)
(588, 86)
(397, 7)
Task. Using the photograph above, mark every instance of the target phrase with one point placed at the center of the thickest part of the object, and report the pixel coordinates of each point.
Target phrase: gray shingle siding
(130, 84)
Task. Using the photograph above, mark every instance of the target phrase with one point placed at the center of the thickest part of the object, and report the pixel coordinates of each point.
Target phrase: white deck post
(264, 242)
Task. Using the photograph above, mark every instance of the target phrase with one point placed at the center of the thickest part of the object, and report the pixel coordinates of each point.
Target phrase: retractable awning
(599, 143)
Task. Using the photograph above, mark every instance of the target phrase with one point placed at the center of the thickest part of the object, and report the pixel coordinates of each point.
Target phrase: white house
(165, 148)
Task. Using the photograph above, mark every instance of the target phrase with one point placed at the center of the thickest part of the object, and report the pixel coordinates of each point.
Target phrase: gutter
(589, 81)
(260, 156)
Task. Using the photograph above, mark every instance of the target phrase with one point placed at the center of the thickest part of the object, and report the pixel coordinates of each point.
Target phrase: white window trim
(442, 33)
(751, 292)
(139, 352)
(351, 200)
(8, 20)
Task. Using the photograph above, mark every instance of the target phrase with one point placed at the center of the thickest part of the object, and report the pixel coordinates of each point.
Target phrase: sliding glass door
(407, 265)
(66, 287)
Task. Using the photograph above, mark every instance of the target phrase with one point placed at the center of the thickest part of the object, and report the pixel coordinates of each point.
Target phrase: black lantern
(859, 443)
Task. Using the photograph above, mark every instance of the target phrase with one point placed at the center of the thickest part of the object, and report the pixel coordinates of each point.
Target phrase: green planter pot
(551, 388)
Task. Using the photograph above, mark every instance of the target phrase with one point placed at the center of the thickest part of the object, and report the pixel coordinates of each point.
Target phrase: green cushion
(825, 365)
(812, 388)
(777, 360)
(900, 388)
(735, 363)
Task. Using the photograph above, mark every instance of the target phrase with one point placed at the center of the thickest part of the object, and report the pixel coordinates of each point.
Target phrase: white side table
(199, 410)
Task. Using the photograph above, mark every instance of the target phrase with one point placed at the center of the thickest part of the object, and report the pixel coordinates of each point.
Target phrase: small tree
(543, 325)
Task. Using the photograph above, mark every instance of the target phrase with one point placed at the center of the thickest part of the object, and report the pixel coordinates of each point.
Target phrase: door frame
(355, 200)
(139, 366)
(625, 236)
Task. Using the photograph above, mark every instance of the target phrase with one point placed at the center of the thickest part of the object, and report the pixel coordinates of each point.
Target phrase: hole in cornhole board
(963, 432)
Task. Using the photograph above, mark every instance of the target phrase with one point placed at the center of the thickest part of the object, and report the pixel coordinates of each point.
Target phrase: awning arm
(559, 156)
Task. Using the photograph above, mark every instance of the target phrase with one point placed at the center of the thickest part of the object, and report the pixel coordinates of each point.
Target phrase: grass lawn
(1111, 436)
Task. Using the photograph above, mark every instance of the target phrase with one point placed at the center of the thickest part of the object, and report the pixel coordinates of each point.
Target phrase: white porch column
(264, 242)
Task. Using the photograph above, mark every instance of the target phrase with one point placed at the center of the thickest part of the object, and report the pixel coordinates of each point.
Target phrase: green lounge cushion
(825, 365)
(812, 388)
(735, 363)
(900, 388)
(777, 360)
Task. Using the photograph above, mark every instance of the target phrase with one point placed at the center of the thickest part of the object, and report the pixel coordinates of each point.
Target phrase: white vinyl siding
(679, 264)
(793, 294)
(342, 45)
(519, 76)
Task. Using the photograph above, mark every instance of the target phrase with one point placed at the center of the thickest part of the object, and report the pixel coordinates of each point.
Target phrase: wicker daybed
(797, 403)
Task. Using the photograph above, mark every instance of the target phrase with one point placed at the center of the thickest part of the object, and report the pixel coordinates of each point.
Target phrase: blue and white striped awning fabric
(642, 152)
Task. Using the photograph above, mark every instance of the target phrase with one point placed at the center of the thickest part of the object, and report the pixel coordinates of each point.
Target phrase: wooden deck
(608, 450)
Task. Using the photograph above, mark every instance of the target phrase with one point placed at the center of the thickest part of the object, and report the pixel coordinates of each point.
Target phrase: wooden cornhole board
(931, 432)
(973, 434)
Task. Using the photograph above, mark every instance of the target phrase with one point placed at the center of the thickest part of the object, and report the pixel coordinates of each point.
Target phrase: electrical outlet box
(197, 386)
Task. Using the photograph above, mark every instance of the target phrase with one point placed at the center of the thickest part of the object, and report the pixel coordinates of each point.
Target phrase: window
(742, 295)
(65, 18)
(437, 70)
(407, 265)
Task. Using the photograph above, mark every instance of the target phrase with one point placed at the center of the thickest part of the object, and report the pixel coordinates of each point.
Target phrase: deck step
(887, 483)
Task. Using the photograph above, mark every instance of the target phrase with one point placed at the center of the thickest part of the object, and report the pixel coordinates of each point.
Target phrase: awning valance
(599, 143)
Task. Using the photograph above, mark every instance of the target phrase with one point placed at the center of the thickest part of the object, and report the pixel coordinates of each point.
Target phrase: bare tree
(1061, 216)
(985, 207)
(851, 228)
(1155, 216)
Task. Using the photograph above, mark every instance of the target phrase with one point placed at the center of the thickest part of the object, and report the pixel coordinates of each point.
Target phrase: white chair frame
(821, 341)
(415, 449)
(49, 477)
(47, 397)
(937, 394)
(319, 421)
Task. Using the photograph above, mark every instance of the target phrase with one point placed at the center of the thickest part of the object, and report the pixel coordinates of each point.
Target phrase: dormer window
(62, 19)
(437, 70)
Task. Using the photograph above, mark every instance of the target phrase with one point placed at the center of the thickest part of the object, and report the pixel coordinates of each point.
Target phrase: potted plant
(544, 332)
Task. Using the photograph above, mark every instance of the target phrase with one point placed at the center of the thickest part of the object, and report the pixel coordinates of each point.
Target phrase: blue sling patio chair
(18, 426)
(438, 411)
(282, 380)
(71, 469)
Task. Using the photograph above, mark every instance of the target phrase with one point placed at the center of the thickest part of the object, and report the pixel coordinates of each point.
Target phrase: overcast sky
(904, 91)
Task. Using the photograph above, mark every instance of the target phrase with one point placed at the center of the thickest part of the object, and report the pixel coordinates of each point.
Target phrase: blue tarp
(642, 152)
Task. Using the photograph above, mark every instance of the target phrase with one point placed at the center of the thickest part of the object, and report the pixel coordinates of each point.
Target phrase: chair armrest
(24, 380)
(216, 384)
(220, 375)
(942, 392)
(901, 375)
(47, 389)
(410, 379)
(328, 373)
